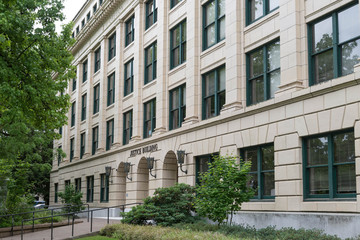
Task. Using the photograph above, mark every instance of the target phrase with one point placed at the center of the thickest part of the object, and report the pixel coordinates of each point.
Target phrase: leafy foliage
(223, 189)
(72, 197)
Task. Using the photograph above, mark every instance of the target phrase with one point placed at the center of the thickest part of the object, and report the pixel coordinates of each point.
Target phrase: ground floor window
(104, 188)
(90, 189)
(78, 184)
(202, 165)
(56, 186)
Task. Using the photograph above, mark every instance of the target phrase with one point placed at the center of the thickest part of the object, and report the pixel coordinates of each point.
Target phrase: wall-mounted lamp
(181, 159)
(150, 165)
(127, 167)
(108, 173)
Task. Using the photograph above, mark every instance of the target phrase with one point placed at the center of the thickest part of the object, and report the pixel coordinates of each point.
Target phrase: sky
(72, 7)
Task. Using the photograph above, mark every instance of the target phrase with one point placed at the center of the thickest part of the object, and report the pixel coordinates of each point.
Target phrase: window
(60, 130)
(88, 16)
(95, 139)
(178, 45)
(213, 92)
(78, 184)
(90, 189)
(151, 13)
(259, 8)
(329, 162)
(82, 145)
(112, 46)
(263, 73)
(67, 183)
(59, 155)
(173, 3)
(83, 23)
(109, 133)
(73, 113)
(129, 77)
(100, 2)
(334, 45)
(72, 149)
(73, 35)
(150, 62)
(96, 98)
(262, 170)
(97, 59)
(127, 127)
(177, 107)
(149, 118)
(83, 107)
(129, 31)
(77, 30)
(56, 190)
(213, 23)
(74, 84)
(85, 69)
(94, 8)
(104, 188)
(202, 165)
(111, 89)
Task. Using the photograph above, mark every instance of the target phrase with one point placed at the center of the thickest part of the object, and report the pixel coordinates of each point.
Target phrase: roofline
(81, 9)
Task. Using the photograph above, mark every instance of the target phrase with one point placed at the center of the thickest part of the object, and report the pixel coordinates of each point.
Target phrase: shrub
(72, 197)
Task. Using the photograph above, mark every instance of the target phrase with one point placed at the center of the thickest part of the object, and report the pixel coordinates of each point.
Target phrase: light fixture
(181, 159)
(127, 167)
(108, 171)
(150, 164)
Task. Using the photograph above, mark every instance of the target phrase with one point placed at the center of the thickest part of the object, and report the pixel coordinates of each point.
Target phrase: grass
(97, 238)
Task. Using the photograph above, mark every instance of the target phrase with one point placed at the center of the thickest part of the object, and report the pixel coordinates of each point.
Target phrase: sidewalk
(62, 233)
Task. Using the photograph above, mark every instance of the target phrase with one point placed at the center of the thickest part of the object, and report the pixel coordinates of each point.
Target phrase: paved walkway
(61, 233)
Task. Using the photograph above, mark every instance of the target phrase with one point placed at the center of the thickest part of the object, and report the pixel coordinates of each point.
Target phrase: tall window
(90, 189)
(95, 139)
(96, 98)
(73, 113)
(74, 84)
(112, 46)
(59, 155)
(67, 183)
(94, 8)
(83, 106)
(149, 118)
(329, 166)
(259, 8)
(82, 145)
(173, 3)
(127, 127)
(213, 92)
(78, 184)
(263, 72)
(150, 62)
(335, 45)
(104, 188)
(177, 107)
(262, 170)
(97, 59)
(100, 2)
(129, 77)
(129, 31)
(85, 69)
(151, 13)
(88, 16)
(202, 165)
(213, 23)
(72, 150)
(109, 133)
(82, 23)
(111, 89)
(178, 45)
(56, 190)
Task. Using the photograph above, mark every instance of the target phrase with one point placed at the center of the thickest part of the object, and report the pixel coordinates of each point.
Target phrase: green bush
(72, 197)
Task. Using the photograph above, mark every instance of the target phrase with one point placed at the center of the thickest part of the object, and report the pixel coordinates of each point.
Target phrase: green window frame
(60, 130)
(85, 71)
(149, 118)
(329, 166)
(112, 46)
(151, 13)
(59, 155)
(150, 62)
(128, 125)
(83, 107)
(262, 169)
(109, 134)
(213, 92)
(73, 113)
(178, 45)
(96, 99)
(67, 183)
(263, 73)
(104, 188)
(74, 84)
(95, 139)
(213, 23)
(173, 3)
(82, 23)
(111, 89)
(202, 165)
(56, 191)
(129, 77)
(177, 107)
(94, 8)
(334, 44)
(82, 145)
(129, 30)
(78, 184)
(72, 149)
(97, 63)
(256, 9)
(89, 189)
(88, 16)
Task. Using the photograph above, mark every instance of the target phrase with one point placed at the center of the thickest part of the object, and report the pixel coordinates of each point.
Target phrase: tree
(223, 188)
(35, 66)
(72, 198)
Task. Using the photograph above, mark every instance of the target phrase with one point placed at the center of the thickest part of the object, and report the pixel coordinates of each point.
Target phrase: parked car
(39, 204)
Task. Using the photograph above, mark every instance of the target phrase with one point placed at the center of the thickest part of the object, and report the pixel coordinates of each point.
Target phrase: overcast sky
(72, 7)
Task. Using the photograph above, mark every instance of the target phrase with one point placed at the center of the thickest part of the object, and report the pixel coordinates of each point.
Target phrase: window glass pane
(346, 178)
(149, 56)
(222, 29)
(349, 23)
(267, 158)
(324, 67)
(273, 4)
(175, 118)
(221, 100)
(176, 37)
(273, 56)
(257, 9)
(210, 35)
(210, 84)
(322, 35)
(221, 8)
(222, 79)
(183, 96)
(176, 56)
(317, 151)
(210, 107)
(251, 156)
(257, 94)
(344, 148)
(183, 33)
(274, 82)
(269, 184)
(253, 183)
(175, 99)
(319, 181)
(256, 63)
(350, 53)
(210, 13)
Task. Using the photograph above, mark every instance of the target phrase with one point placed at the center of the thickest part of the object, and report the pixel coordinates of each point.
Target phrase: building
(275, 81)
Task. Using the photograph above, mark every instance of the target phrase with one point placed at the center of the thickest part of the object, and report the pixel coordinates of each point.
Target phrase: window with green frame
(89, 188)
(334, 45)
(256, 9)
(263, 73)
(85, 71)
(149, 118)
(95, 140)
(97, 58)
(151, 13)
(78, 184)
(150, 62)
(59, 155)
(73, 113)
(178, 44)
(112, 46)
(56, 191)
(72, 149)
(213, 23)
(96, 99)
(129, 30)
(129, 77)
(262, 170)
(67, 183)
(83, 106)
(127, 132)
(329, 166)
(94, 8)
(177, 107)
(213, 92)
(111, 89)
(173, 3)
(74, 84)
(202, 165)
(109, 133)
(104, 188)
(82, 145)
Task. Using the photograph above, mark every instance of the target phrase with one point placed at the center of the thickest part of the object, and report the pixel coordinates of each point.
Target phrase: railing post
(33, 222)
(12, 225)
(91, 220)
(88, 211)
(22, 229)
(52, 224)
(72, 230)
(108, 215)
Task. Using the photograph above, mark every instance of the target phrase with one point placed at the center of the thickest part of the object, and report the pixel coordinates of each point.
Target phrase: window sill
(110, 107)
(72, 128)
(84, 83)
(149, 84)
(212, 49)
(260, 21)
(330, 199)
(111, 60)
(96, 73)
(177, 68)
(151, 27)
(129, 46)
(83, 122)
(127, 97)
(177, 6)
(262, 200)
(95, 115)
